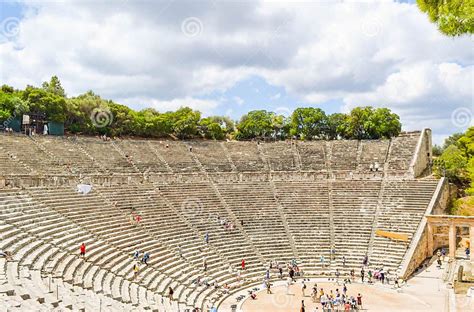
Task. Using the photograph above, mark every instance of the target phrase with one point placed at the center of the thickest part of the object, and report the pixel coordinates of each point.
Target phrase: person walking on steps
(83, 250)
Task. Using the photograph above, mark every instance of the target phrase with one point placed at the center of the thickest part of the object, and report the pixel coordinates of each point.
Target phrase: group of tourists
(145, 256)
(335, 301)
(225, 224)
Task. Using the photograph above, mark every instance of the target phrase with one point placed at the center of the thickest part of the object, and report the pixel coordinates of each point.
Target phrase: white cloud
(275, 96)
(238, 100)
(424, 95)
(377, 53)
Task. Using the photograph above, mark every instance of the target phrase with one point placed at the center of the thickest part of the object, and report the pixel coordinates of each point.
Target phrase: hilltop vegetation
(79, 113)
(456, 162)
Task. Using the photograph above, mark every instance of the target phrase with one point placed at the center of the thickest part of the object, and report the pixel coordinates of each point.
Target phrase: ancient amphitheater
(285, 200)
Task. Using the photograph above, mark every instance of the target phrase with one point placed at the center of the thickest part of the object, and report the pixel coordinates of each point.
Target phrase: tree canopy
(90, 114)
(453, 17)
(457, 160)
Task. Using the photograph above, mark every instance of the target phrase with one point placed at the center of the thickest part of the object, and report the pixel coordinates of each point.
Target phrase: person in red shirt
(243, 264)
(83, 250)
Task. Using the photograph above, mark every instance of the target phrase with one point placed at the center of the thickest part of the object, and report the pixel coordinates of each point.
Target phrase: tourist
(204, 265)
(136, 268)
(136, 255)
(303, 288)
(302, 309)
(352, 275)
(382, 276)
(314, 293)
(468, 252)
(362, 275)
(291, 273)
(253, 295)
(365, 262)
(268, 285)
(344, 289)
(170, 293)
(324, 301)
(438, 259)
(267, 274)
(369, 275)
(226, 288)
(321, 259)
(243, 264)
(83, 250)
(280, 270)
(146, 257)
(359, 301)
(138, 218)
(344, 261)
(206, 238)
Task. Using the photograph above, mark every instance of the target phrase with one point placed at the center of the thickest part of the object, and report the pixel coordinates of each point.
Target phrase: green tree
(359, 123)
(42, 101)
(452, 164)
(308, 123)
(185, 122)
(54, 86)
(452, 139)
(80, 113)
(11, 106)
(457, 160)
(453, 17)
(216, 127)
(437, 150)
(383, 123)
(7, 89)
(255, 124)
(336, 126)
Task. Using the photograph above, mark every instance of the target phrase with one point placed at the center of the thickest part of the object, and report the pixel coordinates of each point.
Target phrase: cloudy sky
(229, 57)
